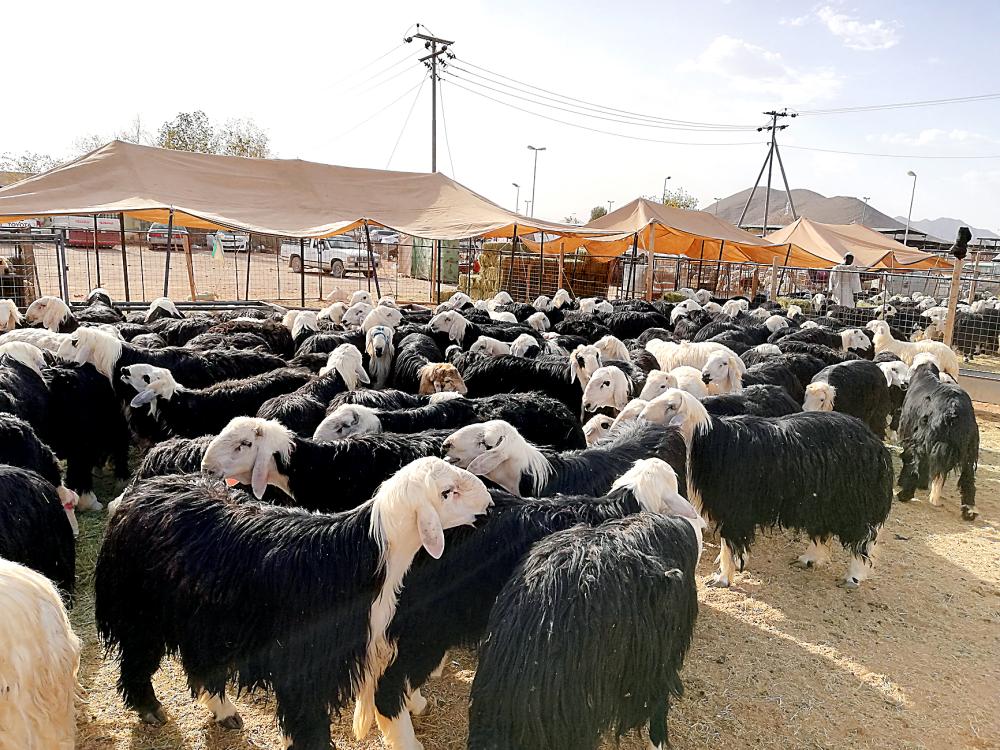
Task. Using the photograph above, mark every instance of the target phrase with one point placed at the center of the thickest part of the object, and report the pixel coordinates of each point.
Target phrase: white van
(339, 255)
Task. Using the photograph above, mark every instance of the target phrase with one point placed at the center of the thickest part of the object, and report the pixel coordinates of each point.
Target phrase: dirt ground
(783, 659)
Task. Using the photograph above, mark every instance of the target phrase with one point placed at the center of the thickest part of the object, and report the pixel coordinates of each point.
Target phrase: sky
(334, 82)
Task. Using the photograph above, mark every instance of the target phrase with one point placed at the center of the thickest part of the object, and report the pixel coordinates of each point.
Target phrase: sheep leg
(304, 722)
(937, 487)
(398, 733)
(967, 486)
(225, 713)
(817, 554)
(416, 703)
(439, 669)
(862, 560)
(907, 478)
(658, 726)
(727, 567)
(139, 661)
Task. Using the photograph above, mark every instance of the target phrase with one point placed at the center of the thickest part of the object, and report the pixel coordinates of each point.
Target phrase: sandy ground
(783, 659)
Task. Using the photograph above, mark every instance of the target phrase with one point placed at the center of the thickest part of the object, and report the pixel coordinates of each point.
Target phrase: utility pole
(609, 206)
(864, 211)
(664, 199)
(768, 164)
(527, 207)
(431, 61)
(534, 176)
(717, 205)
(517, 196)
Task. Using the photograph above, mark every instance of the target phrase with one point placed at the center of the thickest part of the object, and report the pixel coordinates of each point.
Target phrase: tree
(597, 212)
(680, 198)
(244, 138)
(571, 219)
(189, 131)
(27, 163)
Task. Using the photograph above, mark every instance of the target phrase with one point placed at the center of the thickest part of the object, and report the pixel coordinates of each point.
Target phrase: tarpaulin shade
(287, 198)
(871, 249)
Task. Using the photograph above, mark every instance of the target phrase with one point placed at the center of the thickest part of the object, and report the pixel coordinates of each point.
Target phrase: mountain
(948, 228)
(841, 209)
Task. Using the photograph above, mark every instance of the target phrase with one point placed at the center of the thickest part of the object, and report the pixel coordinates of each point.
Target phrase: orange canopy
(871, 249)
(283, 197)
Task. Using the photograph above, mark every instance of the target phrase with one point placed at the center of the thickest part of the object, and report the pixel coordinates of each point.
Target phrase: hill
(841, 209)
(947, 228)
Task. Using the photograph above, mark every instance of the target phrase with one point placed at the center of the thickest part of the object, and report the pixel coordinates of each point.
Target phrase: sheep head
(162, 307)
(896, 373)
(561, 299)
(819, 397)
(631, 411)
(542, 303)
(382, 316)
(346, 421)
(150, 382)
(489, 346)
(608, 386)
(583, 362)
(348, 362)
(923, 359)
(776, 323)
(612, 349)
(304, 320)
(854, 338)
(657, 381)
(334, 313)
(539, 321)
(49, 312)
(355, 314)
(723, 373)
(248, 450)
(494, 449)
(94, 346)
(10, 318)
(436, 377)
(387, 301)
(525, 345)
(451, 323)
(678, 408)
(360, 297)
(378, 342)
(597, 428)
(27, 354)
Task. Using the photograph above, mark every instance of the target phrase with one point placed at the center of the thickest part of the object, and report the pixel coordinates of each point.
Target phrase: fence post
(562, 266)
(371, 262)
(754, 283)
(170, 242)
(774, 279)
(975, 278)
(97, 254)
(121, 230)
(189, 261)
(63, 278)
(651, 261)
(302, 275)
(953, 292)
(236, 250)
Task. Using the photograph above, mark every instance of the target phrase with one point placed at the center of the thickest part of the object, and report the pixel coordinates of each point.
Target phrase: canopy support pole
(541, 265)
(236, 249)
(975, 277)
(189, 262)
(718, 268)
(754, 283)
(701, 262)
(121, 231)
(510, 272)
(63, 280)
(319, 270)
(651, 265)
(774, 279)
(785, 264)
(562, 265)
(954, 291)
(236, 271)
(170, 242)
(631, 271)
(302, 275)
(371, 263)
(439, 271)
(97, 254)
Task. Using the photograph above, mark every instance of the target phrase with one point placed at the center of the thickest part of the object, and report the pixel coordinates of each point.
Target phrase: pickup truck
(338, 255)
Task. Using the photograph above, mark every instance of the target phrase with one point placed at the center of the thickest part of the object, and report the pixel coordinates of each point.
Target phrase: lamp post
(609, 206)
(717, 205)
(517, 196)
(664, 198)
(527, 207)
(534, 176)
(913, 191)
(864, 211)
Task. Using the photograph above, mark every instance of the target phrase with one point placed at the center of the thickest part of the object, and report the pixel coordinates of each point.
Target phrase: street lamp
(609, 206)
(864, 211)
(717, 205)
(913, 191)
(517, 196)
(664, 200)
(527, 207)
(534, 176)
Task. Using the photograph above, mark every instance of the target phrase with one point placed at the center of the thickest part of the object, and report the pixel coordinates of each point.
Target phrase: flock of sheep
(327, 503)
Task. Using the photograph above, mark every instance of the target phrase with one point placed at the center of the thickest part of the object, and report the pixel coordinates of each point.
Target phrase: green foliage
(571, 219)
(189, 131)
(597, 212)
(680, 198)
(243, 138)
(27, 163)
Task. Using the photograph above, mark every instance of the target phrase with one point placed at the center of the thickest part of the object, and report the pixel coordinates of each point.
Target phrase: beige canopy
(677, 231)
(283, 197)
(871, 249)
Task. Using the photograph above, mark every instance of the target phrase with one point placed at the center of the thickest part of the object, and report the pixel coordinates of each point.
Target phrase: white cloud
(931, 136)
(794, 22)
(759, 71)
(857, 34)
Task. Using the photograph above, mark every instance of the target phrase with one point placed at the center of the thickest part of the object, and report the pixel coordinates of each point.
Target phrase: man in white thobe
(845, 282)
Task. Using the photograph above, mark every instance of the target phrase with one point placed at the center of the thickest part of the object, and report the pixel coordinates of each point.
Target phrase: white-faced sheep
(612, 348)
(418, 368)
(539, 321)
(459, 330)
(849, 340)
(361, 297)
(305, 617)
(939, 434)
(355, 315)
(906, 350)
(498, 452)
(527, 346)
(805, 485)
(334, 313)
(491, 347)
(858, 388)
(445, 603)
(41, 658)
(671, 355)
(725, 373)
(573, 659)
(258, 452)
(380, 351)
(383, 315)
(686, 378)
(52, 314)
(539, 418)
(597, 428)
(162, 307)
(186, 412)
(610, 388)
(34, 528)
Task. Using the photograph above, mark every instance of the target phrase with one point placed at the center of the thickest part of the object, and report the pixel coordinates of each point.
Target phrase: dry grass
(783, 659)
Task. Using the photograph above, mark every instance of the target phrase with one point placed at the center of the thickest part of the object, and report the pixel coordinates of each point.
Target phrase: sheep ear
(261, 472)
(676, 421)
(142, 398)
(363, 376)
(483, 464)
(430, 530)
(426, 387)
(574, 370)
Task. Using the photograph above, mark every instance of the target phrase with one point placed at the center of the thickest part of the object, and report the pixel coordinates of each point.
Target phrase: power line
(607, 108)
(891, 156)
(447, 143)
(614, 118)
(395, 65)
(595, 130)
(406, 121)
(901, 105)
(376, 114)
(367, 65)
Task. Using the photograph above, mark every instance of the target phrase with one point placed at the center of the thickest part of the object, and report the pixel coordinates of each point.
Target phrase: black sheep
(277, 336)
(302, 410)
(755, 400)
(939, 434)
(858, 388)
(211, 339)
(324, 343)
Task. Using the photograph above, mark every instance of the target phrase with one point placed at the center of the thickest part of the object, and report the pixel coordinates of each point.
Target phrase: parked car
(339, 255)
(157, 237)
(385, 236)
(233, 241)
